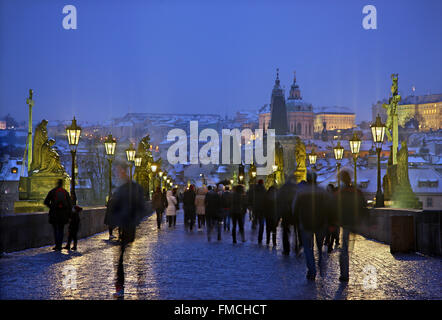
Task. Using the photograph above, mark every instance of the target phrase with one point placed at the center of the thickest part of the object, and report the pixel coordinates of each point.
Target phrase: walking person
(106, 220)
(350, 211)
(285, 197)
(238, 210)
(189, 207)
(126, 210)
(271, 214)
(259, 207)
(332, 234)
(213, 215)
(312, 207)
(171, 208)
(159, 203)
(200, 206)
(74, 226)
(60, 206)
(226, 203)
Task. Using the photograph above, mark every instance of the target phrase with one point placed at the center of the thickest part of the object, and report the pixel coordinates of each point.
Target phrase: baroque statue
(300, 157)
(45, 159)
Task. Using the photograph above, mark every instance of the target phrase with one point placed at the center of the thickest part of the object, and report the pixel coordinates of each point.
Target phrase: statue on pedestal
(45, 170)
(403, 196)
(45, 159)
(300, 157)
(142, 173)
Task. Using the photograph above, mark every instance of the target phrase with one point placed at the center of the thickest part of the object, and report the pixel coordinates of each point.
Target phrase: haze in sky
(211, 56)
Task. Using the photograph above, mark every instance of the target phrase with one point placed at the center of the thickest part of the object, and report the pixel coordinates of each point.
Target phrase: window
(429, 202)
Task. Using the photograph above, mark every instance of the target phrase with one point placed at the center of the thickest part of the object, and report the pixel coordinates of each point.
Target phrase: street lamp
(355, 145)
(109, 145)
(378, 131)
(130, 154)
(161, 176)
(339, 153)
(73, 133)
(312, 158)
(137, 162)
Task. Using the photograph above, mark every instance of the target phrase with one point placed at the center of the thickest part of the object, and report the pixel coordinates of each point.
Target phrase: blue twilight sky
(211, 56)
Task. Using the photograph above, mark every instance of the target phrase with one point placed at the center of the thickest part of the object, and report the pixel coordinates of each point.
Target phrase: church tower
(295, 92)
(278, 110)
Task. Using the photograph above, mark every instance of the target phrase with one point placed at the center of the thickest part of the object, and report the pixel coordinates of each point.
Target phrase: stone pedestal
(288, 143)
(34, 189)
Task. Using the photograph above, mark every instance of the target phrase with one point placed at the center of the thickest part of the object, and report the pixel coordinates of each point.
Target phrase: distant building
(2, 125)
(426, 109)
(334, 118)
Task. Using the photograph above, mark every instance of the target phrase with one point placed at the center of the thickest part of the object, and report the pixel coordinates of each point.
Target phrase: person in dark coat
(60, 206)
(312, 208)
(350, 211)
(189, 207)
(285, 197)
(127, 209)
(213, 212)
(332, 233)
(74, 226)
(226, 204)
(238, 210)
(271, 214)
(159, 203)
(259, 207)
(106, 220)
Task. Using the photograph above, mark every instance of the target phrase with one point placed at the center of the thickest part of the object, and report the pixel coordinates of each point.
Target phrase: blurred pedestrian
(226, 204)
(332, 233)
(271, 214)
(126, 210)
(311, 208)
(285, 197)
(159, 203)
(74, 226)
(259, 206)
(60, 207)
(171, 208)
(213, 212)
(238, 211)
(106, 219)
(200, 206)
(351, 210)
(189, 207)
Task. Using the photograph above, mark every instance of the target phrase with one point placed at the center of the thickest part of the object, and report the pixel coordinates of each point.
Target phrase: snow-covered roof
(335, 109)
(10, 170)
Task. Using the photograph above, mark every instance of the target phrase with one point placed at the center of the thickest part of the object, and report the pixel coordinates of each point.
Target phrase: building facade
(334, 118)
(426, 109)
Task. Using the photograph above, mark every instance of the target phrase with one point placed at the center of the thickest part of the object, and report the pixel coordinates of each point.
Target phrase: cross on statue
(30, 102)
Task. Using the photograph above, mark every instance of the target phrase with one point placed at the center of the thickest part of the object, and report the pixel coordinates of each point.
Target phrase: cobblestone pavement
(176, 264)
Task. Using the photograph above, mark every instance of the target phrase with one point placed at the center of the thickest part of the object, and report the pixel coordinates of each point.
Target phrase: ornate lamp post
(252, 177)
(130, 154)
(109, 145)
(73, 133)
(153, 168)
(339, 153)
(355, 145)
(378, 131)
(312, 159)
(160, 174)
(137, 162)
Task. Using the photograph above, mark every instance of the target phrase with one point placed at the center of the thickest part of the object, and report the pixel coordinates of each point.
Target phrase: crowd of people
(314, 215)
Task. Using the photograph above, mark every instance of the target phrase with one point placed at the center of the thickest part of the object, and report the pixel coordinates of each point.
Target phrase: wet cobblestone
(176, 264)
